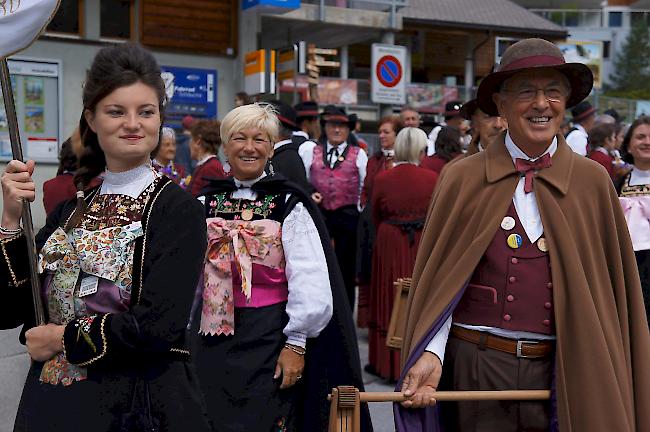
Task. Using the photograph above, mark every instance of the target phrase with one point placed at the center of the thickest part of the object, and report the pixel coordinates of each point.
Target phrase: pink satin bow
(232, 241)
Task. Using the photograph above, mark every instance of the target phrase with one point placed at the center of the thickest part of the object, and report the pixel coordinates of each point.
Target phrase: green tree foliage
(631, 77)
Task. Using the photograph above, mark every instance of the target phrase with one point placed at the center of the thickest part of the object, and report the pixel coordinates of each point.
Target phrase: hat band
(533, 61)
(585, 114)
(336, 118)
(286, 120)
(307, 113)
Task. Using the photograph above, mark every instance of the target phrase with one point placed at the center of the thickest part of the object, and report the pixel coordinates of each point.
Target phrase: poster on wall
(333, 91)
(430, 98)
(37, 92)
(589, 53)
(190, 91)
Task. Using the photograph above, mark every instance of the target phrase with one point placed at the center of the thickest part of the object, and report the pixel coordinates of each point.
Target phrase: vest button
(512, 279)
(514, 260)
(507, 317)
(546, 322)
(510, 298)
(548, 305)
(549, 285)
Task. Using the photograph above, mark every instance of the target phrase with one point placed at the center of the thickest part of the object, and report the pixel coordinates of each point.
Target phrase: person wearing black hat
(307, 119)
(584, 118)
(485, 128)
(286, 159)
(337, 172)
(453, 118)
(525, 276)
(308, 132)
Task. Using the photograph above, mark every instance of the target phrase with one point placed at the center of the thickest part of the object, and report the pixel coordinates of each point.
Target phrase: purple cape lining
(426, 419)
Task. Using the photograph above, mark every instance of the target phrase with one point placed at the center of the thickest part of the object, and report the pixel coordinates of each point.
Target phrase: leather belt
(520, 348)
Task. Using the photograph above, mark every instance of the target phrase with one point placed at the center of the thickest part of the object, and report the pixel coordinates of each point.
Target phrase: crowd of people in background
(373, 212)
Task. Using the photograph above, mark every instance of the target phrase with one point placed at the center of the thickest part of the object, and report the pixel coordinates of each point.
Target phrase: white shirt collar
(340, 147)
(388, 153)
(301, 133)
(126, 177)
(205, 159)
(603, 150)
(248, 183)
(131, 182)
(580, 128)
(279, 144)
(517, 153)
(639, 177)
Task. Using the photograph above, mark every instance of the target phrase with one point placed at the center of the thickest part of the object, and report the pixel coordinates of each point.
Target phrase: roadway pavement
(381, 412)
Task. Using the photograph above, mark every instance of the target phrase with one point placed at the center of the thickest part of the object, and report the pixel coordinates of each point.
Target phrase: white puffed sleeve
(310, 296)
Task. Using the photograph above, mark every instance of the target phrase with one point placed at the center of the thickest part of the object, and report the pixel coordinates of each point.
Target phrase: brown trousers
(469, 367)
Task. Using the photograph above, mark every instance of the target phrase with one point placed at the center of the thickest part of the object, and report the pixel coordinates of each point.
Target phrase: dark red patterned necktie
(529, 168)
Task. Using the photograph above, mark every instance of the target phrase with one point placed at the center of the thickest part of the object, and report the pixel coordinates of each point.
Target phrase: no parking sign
(388, 80)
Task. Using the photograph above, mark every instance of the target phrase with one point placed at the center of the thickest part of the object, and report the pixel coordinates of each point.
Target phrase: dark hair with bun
(113, 67)
(208, 133)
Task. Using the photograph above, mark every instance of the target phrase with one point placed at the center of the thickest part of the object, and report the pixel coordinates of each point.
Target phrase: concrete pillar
(249, 29)
(92, 13)
(384, 109)
(469, 67)
(345, 61)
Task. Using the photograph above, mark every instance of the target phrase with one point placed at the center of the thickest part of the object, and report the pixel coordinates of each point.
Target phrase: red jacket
(55, 191)
(211, 169)
(61, 188)
(434, 163)
(603, 159)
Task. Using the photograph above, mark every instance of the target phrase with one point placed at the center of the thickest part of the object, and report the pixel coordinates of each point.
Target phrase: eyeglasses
(528, 94)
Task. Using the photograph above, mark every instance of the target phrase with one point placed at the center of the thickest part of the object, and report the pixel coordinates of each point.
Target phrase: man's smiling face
(533, 103)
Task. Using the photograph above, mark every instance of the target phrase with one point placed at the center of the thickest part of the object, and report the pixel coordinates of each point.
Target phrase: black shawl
(332, 358)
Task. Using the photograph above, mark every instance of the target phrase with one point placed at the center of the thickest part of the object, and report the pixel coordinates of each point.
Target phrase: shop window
(116, 19)
(616, 19)
(68, 18)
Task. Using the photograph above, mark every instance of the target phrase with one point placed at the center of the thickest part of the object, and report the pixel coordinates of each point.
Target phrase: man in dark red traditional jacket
(525, 278)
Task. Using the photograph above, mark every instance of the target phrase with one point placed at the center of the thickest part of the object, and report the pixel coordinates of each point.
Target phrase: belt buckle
(520, 344)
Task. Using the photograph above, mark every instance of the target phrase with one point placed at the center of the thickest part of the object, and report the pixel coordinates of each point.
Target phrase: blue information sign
(285, 4)
(190, 92)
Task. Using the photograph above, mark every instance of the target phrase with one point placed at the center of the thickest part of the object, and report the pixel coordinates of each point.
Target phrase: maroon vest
(510, 288)
(338, 186)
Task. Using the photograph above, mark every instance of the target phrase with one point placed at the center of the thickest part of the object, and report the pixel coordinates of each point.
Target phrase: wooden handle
(461, 395)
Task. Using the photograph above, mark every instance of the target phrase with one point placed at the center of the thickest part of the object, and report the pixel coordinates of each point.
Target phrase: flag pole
(28, 226)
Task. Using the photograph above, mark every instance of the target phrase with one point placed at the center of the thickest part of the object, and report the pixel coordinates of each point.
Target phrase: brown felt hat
(531, 54)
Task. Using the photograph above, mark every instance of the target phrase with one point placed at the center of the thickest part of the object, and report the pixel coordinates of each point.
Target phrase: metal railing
(593, 18)
(389, 6)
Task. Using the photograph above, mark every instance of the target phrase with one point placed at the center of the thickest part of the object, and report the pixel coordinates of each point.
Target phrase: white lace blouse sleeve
(310, 296)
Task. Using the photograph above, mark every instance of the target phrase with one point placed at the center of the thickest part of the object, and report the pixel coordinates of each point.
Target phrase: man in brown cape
(526, 274)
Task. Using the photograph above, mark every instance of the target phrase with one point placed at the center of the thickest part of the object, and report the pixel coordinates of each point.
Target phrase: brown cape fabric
(603, 342)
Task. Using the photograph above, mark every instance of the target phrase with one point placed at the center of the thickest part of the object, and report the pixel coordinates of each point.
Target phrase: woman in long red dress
(381, 161)
(400, 200)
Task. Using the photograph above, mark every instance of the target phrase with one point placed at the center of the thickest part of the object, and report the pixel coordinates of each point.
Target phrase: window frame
(81, 22)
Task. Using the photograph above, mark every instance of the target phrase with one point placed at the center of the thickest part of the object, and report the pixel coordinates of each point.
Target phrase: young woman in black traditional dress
(120, 267)
(275, 329)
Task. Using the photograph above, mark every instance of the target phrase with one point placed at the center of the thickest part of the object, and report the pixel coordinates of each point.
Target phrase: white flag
(22, 21)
